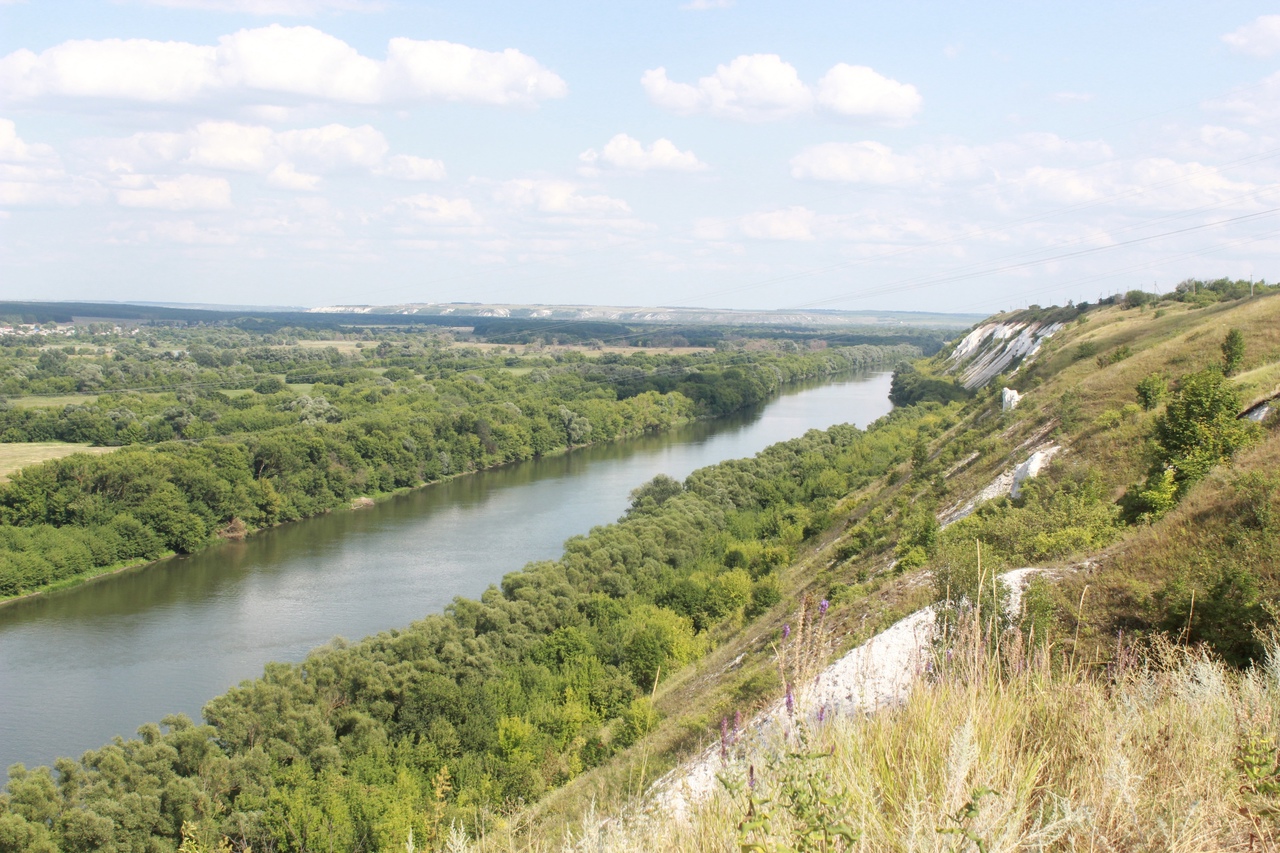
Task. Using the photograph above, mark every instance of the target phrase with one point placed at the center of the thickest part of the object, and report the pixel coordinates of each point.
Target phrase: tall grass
(1164, 748)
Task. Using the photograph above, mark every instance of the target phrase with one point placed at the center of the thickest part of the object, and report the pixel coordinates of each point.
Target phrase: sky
(959, 157)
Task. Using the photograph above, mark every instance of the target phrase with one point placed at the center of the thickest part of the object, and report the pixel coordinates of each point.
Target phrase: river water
(83, 665)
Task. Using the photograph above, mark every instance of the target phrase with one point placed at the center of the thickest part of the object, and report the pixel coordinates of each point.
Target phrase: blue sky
(951, 157)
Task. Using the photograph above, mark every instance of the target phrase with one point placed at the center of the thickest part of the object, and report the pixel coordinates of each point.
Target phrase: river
(80, 666)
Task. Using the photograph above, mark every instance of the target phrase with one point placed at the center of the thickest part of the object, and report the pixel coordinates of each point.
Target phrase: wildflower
(822, 608)
(751, 777)
(791, 702)
(822, 713)
(786, 630)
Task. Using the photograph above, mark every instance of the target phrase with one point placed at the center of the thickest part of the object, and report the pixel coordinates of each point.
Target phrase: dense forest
(223, 432)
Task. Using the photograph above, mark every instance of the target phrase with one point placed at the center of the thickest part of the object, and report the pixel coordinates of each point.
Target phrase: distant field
(20, 455)
(521, 348)
(37, 401)
(340, 346)
(40, 401)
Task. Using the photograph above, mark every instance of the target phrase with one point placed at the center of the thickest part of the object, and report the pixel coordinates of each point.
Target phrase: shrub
(1152, 390)
(1233, 352)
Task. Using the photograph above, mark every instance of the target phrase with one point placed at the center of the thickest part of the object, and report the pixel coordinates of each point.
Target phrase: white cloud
(755, 87)
(286, 177)
(1259, 104)
(335, 146)
(264, 64)
(225, 145)
(557, 197)
(441, 70)
(1072, 97)
(762, 87)
(438, 210)
(31, 173)
(295, 8)
(859, 92)
(236, 147)
(1062, 186)
(183, 192)
(792, 223)
(406, 167)
(875, 163)
(854, 162)
(132, 69)
(1152, 183)
(301, 61)
(1218, 137)
(704, 5)
(1261, 37)
(27, 186)
(625, 152)
(14, 150)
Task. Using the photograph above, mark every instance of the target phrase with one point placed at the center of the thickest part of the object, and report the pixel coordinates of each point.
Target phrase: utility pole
(1250, 285)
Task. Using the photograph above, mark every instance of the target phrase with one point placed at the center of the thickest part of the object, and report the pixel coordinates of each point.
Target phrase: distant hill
(634, 314)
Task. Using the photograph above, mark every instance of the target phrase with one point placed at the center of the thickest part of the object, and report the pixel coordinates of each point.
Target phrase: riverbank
(357, 503)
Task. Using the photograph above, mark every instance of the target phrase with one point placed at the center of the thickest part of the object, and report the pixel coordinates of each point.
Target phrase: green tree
(1233, 351)
(1199, 428)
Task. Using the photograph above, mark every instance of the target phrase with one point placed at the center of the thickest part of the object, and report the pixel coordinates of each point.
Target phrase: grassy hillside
(1116, 710)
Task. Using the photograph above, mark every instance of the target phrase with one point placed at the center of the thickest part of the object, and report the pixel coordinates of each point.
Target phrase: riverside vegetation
(223, 431)
(1131, 704)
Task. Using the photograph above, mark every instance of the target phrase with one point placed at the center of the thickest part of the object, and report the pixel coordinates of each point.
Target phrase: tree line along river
(82, 665)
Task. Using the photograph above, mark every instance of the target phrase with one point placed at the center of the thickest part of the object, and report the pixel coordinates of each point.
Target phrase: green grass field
(19, 455)
(39, 401)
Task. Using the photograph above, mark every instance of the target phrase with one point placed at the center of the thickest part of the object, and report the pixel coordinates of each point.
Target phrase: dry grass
(1020, 751)
(17, 455)
(1195, 536)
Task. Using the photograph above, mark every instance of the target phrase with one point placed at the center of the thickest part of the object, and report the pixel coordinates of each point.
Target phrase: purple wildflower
(751, 777)
(822, 713)
(786, 630)
(791, 702)
(822, 608)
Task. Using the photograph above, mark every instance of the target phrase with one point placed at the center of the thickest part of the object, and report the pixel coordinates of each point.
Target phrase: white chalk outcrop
(1007, 484)
(991, 348)
(878, 673)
